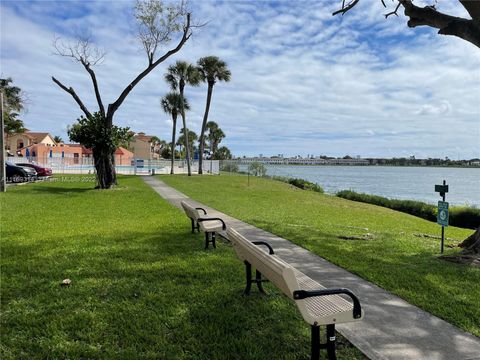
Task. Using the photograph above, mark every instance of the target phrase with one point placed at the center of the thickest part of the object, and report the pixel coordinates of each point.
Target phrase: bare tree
(158, 23)
(466, 29)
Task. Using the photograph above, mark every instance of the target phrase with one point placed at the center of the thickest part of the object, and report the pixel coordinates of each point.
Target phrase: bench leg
(248, 273)
(258, 280)
(206, 240)
(331, 342)
(210, 238)
(193, 225)
(315, 342)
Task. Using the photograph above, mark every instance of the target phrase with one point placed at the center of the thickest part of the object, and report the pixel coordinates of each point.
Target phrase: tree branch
(115, 105)
(74, 95)
(465, 29)
(95, 87)
(344, 8)
(394, 12)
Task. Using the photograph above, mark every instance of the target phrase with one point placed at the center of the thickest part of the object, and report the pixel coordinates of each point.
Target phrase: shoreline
(358, 165)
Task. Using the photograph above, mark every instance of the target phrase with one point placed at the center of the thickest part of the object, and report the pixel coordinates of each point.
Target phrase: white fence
(136, 166)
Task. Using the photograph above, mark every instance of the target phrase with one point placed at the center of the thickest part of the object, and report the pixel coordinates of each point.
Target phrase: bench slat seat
(325, 308)
(211, 226)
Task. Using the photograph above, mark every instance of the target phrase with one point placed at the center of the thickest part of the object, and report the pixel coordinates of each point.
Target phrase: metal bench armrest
(303, 294)
(270, 249)
(224, 227)
(204, 211)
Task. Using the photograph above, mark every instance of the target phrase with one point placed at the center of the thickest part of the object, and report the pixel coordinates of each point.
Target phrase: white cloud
(441, 108)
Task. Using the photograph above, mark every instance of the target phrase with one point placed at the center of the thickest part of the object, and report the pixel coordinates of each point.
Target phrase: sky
(303, 82)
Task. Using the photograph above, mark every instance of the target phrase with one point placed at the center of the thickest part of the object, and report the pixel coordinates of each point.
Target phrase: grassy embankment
(391, 256)
(142, 285)
(461, 216)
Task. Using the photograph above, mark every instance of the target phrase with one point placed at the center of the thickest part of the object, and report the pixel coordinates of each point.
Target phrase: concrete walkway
(391, 329)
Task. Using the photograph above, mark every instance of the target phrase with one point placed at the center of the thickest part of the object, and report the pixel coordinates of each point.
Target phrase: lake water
(412, 183)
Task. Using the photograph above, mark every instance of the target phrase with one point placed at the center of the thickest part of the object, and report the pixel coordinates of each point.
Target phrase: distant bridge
(294, 161)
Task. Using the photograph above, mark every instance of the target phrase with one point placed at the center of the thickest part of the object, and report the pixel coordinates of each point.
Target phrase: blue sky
(303, 82)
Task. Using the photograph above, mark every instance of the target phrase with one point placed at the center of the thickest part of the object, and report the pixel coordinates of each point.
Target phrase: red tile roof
(123, 151)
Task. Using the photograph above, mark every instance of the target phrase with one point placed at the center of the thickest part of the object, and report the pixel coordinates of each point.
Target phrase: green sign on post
(442, 217)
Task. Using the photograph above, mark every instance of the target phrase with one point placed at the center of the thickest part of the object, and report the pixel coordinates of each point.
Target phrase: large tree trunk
(471, 245)
(185, 132)
(174, 119)
(105, 168)
(204, 125)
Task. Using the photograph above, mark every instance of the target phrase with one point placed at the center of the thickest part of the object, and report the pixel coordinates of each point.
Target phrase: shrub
(465, 217)
(299, 183)
(305, 185)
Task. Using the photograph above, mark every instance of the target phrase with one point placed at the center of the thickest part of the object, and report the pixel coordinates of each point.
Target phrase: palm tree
(57, 139)
(190, 140)
(179, 75)
(223, 153)
(215, 136)
(172, 104)
(211, 69)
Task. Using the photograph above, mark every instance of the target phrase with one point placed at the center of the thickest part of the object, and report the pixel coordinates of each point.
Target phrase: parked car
(18, 174)
(41, 171)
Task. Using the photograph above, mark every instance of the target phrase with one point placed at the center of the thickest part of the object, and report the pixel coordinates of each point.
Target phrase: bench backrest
(271, 266)
(191, 212)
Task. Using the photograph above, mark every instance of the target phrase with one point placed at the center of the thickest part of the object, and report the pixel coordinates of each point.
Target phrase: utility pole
(3, 176)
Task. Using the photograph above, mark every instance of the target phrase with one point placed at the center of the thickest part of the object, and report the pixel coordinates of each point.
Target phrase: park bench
(209, 225)
(318, 305)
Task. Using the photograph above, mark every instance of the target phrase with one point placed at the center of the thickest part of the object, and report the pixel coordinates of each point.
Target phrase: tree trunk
(204, 125)
(185, 132)
(105, 168)
(174, 119)
(471, 245)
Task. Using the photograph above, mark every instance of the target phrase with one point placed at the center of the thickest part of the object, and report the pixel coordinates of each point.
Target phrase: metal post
(443, 227)
(315, 355)
(331, 342)
(258, 280)
(248, 273)
(3, 186)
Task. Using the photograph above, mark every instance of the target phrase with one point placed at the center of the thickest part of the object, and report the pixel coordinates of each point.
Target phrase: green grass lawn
(142, 285)
(394, 258)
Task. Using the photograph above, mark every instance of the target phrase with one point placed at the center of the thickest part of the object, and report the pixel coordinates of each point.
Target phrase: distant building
(70, 153)
(41, 147)
(145, 146)
(123, 156)
(16, 142)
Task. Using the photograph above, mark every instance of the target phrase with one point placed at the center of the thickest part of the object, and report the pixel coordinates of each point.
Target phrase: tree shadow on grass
(51, 188)
(61, 190)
